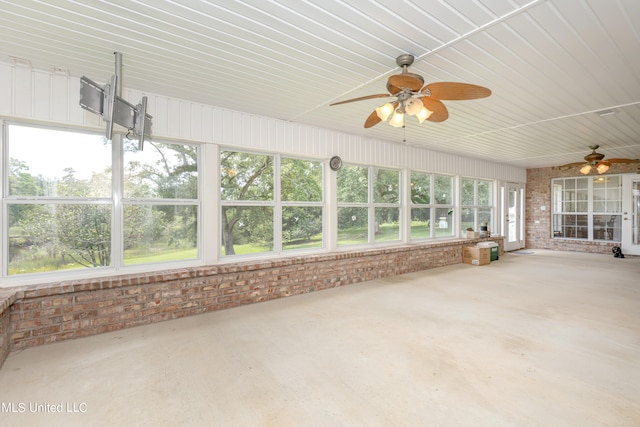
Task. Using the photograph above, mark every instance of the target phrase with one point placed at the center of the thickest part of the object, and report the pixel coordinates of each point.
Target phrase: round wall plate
(335, 163)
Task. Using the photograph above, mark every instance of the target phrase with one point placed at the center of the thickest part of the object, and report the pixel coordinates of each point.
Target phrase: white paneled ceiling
(552, 65)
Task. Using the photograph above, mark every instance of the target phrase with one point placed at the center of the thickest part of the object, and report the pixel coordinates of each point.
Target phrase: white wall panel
(227, 123)
(6, 88)
(279, 133)
(173, 118)
(60, 99)
(76, 113)
(159, 109)
(184, 123)
(197, 123)
(42, 99)
(207, 127)
(42, 96)
(22, 91)
(218, 131)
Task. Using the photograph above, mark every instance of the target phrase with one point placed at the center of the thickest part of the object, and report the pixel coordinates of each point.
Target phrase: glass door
(513, 227)
(631, 215)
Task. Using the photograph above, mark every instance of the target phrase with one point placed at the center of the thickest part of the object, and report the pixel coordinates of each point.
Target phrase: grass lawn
(351, 236)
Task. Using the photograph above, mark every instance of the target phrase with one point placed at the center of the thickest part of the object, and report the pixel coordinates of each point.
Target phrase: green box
(494, 253)
(495, 249)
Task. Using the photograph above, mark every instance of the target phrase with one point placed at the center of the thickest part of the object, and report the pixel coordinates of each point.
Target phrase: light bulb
(424, 114)
(603, 166)
(413, 106)
(384, 111)
(397, 120)
(585, 169)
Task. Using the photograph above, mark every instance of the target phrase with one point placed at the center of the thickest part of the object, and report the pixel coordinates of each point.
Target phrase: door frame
(630, 214)
(515, 242)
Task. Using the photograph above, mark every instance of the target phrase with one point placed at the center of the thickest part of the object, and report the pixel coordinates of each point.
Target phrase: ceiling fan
(595, 160)
(414, 98)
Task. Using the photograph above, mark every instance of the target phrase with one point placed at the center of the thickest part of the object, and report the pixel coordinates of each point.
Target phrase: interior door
(513, 217)
(631, 215)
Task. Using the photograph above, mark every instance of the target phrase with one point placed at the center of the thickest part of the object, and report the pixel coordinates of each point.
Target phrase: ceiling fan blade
(372, 120)
(393, 90)
(362, 98)
(620, 160)
(456, 91)
(410, 81)
(438, 109)
(573, 165)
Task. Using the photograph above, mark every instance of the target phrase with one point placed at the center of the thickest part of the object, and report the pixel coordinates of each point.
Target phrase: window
(386, 205)
(587, 208)
(607, 208)
(570, 207)
(59, 200)
(353, 209)
(432, 206)
(301, 184)
(160, 219)
(247, 197)
(62, 209)
(259, 216)
(475, 204)
(368, 205)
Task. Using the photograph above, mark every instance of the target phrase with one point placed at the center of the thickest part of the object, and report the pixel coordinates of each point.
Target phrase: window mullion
(117, 188)
(277, 210)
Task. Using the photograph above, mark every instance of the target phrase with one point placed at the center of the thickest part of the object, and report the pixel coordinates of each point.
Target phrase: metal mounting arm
(105, 102)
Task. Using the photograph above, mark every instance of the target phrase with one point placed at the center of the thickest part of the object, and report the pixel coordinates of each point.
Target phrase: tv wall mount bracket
(106, 101)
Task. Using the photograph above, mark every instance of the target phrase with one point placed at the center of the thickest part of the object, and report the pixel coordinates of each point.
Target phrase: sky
(48, 152)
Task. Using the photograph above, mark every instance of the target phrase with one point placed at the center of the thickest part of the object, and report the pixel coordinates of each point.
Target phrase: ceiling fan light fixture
(384, 111)
(602, 167)
(585, 169)
(423, 114)
(413, 106)
(397, 120)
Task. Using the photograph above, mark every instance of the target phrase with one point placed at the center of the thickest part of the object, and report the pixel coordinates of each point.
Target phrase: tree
(245, 177)
(163, 172)
(81, 232)
(84, 233)
(353, 187)
(300, 182)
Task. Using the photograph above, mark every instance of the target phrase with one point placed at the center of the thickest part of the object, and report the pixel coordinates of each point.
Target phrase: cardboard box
(473, 234)
(476, 256)
(495, 250)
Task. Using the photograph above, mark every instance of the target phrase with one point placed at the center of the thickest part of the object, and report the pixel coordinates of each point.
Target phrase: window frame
(278, 206)
(371, 206)
(476, 206)
(321, 204)
(435, 208)
(152, 202)
(53, 200)
(115, 201)
(576, 219)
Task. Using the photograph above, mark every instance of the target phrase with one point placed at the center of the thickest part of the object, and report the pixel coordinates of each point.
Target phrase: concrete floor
(541, 339)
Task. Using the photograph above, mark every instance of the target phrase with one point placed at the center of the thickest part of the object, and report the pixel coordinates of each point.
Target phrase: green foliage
(387, 186)
(246, 176)
(249, 180)
(300, 180)
(420, 188)
(84, 233)
(58, 235)
(63, 233)
(300, 223)
(443, 190)
(353, 184)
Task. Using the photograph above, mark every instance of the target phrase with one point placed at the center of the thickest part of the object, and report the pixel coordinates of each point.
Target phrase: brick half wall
(42, 314)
